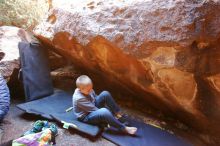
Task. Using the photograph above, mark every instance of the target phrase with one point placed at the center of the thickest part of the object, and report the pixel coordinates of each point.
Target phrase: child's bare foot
(131, 130)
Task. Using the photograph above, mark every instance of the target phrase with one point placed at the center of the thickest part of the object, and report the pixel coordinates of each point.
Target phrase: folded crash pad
(35, 70)
(54, 107)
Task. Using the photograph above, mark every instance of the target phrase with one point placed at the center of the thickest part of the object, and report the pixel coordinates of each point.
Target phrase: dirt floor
(17, 122)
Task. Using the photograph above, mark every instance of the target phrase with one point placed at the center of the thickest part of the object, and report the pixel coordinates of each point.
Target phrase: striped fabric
(36, 139)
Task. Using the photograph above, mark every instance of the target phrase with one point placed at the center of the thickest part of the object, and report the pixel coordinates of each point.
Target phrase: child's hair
(82, 81)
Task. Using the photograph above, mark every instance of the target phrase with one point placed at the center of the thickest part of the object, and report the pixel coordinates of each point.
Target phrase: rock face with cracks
(164, 51)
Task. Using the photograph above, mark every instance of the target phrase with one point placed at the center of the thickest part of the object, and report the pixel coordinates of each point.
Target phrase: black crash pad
(54, 107)
(35, 71)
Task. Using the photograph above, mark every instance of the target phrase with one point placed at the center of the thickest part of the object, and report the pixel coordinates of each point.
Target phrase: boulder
(158, 50)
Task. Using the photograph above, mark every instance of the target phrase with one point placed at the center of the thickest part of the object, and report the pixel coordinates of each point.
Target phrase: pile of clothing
(42, 134)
